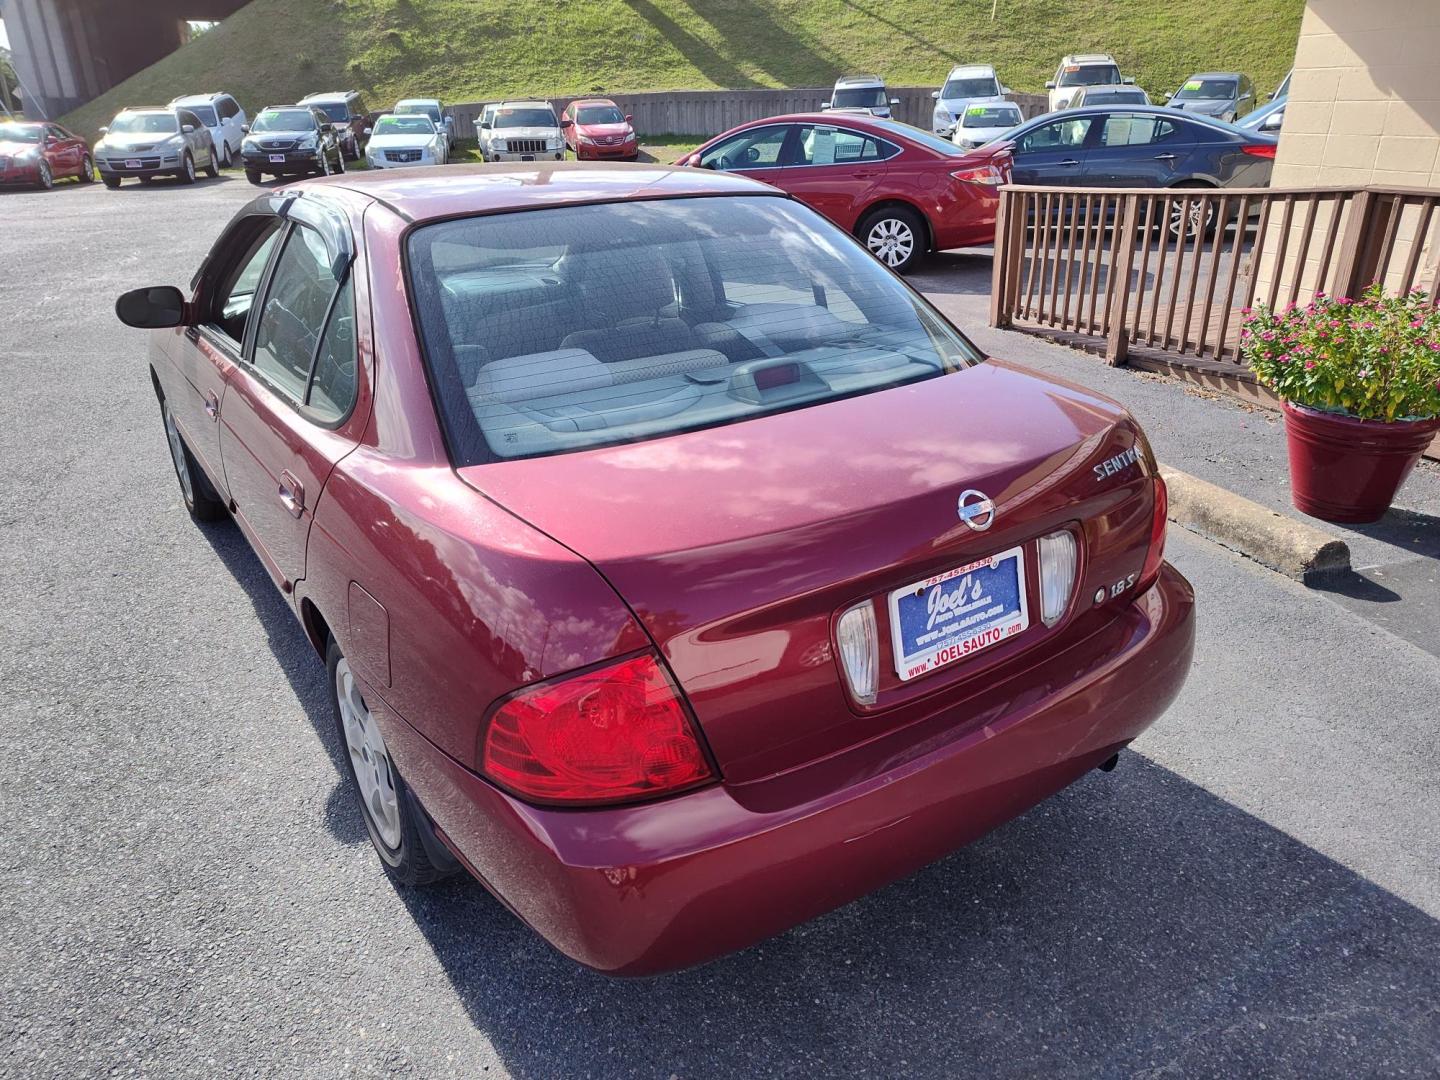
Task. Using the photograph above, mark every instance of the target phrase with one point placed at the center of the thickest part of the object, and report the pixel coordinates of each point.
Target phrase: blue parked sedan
(1138, 146)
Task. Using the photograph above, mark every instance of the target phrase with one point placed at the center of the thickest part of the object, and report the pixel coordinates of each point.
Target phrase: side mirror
(1050, 85)
(894, 101)
(934, 95)
(689, 159)
(1165, 97)
(1273, 122)
(1006, 90)
(629, 119)
(152, 308)
(824, 105)
(1128, 80)
(567, 123)
(485, 125)
(187, 128)
(245, 128)
(103, 131)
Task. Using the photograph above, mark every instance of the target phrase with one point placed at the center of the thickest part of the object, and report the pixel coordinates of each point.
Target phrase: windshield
(698, 312)
(523, 118)
(25, 133)
(1206, 90)
(1089, 75)
(284, 120)
(154, 123)
(432, 111)
(868, 97)
(991, 116)
(404, 125)
(970, 88)
(599, 114)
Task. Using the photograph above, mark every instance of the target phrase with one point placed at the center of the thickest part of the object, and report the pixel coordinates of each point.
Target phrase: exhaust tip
(1108, 765)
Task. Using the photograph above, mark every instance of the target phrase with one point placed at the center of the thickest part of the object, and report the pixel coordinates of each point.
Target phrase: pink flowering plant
(1376, 357)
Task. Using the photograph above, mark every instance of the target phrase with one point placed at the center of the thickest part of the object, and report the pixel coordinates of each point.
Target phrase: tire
(226, 158)
(212, 167)
(87, 170)
(399, 829)
(45, 179)
(895, 235)
(253, 176)
(339, 164)
(1172, 228)
(187, 168)
(324, 169)
(200, 497)
(111, 182)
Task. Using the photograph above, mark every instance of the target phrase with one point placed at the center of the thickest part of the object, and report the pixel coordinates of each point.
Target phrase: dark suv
(348, 113)
(291, 140)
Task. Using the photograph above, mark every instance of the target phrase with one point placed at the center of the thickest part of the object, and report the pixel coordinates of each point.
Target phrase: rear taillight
(614, 734)
(1265, 150)
(987, 174)
(1156, 553)
(1057, 575)
(860, 651)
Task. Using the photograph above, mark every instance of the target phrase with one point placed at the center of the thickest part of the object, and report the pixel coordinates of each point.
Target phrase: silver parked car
(966, 85)
(432, 108)
(985, 122)
(151, 141)
(523, 131)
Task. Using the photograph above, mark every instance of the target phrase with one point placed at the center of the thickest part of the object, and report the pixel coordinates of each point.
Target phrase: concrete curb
(1290, 547)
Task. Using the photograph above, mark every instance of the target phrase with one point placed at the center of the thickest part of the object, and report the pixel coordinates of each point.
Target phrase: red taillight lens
(1265, 150)
(985, 174)
(1156, 554)
(610, 735)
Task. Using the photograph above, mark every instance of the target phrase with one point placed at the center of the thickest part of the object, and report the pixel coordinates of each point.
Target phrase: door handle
(212, 405)
(1068, 161)
(292, 494)
(862, 175)
(1164, 157)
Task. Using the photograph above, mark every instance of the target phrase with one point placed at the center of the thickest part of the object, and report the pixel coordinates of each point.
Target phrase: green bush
(1376, 358)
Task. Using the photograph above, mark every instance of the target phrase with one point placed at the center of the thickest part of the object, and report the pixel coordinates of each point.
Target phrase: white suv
(225, 119)
(862, 93)
(523, 131)
(966, 85)
(1083, 69)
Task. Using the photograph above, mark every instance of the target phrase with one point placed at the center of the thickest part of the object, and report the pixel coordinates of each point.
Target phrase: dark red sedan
(37, 153)
(902, 191)
(680, 573)
(596, 130)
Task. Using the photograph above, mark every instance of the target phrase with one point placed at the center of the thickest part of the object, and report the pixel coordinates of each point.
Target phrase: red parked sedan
(680, 573)
(902, 191)
(595, 129)
(37, 154)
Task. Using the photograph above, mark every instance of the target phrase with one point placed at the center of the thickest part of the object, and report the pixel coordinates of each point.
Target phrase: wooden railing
(1163, 274)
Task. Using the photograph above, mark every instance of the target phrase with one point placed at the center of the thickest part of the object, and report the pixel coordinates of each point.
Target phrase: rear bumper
(644, 889)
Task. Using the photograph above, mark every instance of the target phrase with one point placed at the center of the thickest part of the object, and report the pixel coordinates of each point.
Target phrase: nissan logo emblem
(976, 510)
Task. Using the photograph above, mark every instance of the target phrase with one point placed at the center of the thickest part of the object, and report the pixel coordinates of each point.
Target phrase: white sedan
(985, 122)
(400, 142)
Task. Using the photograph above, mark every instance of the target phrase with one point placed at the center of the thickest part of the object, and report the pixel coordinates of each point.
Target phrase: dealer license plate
(956, 614)
(278, 158)
(133, 163)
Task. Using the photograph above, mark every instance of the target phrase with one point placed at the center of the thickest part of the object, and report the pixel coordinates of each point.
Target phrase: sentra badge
(1121, 461)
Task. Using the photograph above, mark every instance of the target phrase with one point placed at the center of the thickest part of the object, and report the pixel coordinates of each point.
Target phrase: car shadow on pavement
(1133, 922)
(304, 670)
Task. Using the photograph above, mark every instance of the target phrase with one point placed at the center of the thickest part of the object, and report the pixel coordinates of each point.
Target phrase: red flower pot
(1346, 469)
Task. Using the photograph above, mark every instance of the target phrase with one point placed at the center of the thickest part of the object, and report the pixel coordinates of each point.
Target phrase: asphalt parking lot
(186, 888)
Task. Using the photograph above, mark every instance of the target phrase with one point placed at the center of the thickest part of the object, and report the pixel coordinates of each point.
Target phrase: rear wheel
(895, 235)
(200, 498)
(399, 829)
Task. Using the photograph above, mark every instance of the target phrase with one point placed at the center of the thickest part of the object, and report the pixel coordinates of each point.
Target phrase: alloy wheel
(324, 163)
(369, 757)
(891, 241)
(47, 179)
(225, 159)
(189, 169)
(177, 453)
(87, 170)
(1190, 218)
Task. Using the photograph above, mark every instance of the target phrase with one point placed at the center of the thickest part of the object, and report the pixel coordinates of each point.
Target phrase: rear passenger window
(228, 108)
(1135, 130)
(294, 314)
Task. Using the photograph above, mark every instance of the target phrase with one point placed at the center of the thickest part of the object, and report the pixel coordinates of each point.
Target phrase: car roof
(149, 108)
(859, 80)
(592, 101)
(418, 101)
(526, 103)
(477, 188)
(329, 95)
(1089, 58)
(962, 70)
(199, 99)
(1140, 110)
(1215, 75)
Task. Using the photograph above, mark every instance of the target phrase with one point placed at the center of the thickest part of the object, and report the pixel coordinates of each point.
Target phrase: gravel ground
(185, 888)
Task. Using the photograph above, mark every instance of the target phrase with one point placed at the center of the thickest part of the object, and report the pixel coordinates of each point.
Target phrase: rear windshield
(599, 114)
(155, 123)
(524, 118)
(1206, 90)
(404, 125)
(284, 120)
(871, 97)
(991, 116)
(970, 88)
(1089, 75)
(563, 329)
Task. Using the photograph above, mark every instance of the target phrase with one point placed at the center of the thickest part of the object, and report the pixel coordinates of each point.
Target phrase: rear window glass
(574, 327)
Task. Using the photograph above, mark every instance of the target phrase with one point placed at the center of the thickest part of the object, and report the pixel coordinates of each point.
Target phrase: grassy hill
(275, 51)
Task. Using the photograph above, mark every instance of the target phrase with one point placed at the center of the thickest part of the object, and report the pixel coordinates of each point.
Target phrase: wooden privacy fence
(1159, 276)
(709, 112)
